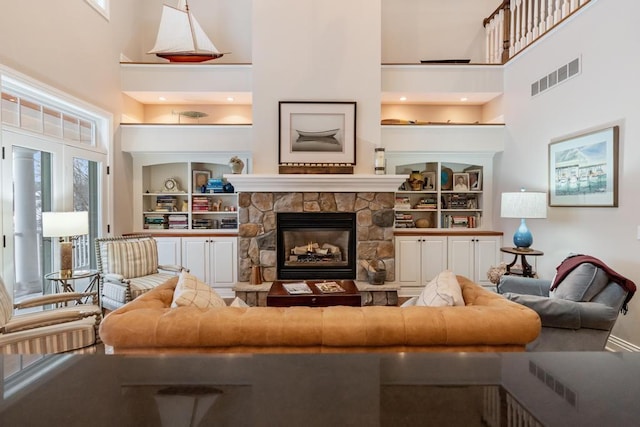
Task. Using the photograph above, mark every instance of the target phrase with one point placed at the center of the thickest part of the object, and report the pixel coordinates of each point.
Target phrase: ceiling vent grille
(556, 77)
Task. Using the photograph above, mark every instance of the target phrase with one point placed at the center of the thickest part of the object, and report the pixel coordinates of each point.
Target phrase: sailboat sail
(180, 33)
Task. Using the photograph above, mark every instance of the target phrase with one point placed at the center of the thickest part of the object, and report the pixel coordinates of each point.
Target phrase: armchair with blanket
(578, 308)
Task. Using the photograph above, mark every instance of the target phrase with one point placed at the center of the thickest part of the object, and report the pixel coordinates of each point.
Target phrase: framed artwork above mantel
(317, 136)
(583, 169)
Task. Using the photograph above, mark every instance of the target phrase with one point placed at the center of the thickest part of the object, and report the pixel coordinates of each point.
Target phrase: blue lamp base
(523, 237)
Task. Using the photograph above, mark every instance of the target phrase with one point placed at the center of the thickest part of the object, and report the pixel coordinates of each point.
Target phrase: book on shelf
(297, 288)
(329, 287)
(460, 221)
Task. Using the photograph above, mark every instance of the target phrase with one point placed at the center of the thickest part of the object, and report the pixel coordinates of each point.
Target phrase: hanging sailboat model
(180, 37)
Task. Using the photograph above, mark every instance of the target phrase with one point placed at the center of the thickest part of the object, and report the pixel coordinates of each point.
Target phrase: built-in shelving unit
(171, 194)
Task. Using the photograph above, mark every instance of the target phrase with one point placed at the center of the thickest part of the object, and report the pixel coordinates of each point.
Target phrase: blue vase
(523, 237)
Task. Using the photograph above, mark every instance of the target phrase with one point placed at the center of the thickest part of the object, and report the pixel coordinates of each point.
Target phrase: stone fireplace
(370, 198)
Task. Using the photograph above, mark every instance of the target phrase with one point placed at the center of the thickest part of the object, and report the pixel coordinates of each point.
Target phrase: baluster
(496, 40)
(574, 6)
(550, 10)
(487, 43)
(501, 56)
(557, 13)
(529, 9)
(565, 8)
(536, 19)
(518, 12)
(512, 29)
(542, 26)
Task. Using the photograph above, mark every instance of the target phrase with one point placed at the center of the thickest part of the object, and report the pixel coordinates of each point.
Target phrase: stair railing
(516, 24)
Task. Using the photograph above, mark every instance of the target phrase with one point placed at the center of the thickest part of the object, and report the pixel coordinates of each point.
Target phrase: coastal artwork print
(583, 169)
(317, 133)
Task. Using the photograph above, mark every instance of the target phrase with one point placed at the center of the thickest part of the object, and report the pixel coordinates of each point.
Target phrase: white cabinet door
(419, 259)
(434, 257)
(487, 255)
(223, 262)
(214, 260)
(461, 255)
(408, 261)
(169, 250)
(195, 257)
(472, 256)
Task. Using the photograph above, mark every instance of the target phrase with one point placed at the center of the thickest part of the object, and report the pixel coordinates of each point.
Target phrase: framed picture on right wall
(583, 169)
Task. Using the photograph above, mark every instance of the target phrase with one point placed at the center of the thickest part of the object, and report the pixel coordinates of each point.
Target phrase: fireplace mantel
(315, 183)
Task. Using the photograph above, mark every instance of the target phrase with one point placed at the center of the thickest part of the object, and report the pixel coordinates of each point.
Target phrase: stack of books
(427, 203)
(201, 204)
(214, 185)
(178, 221)
(404, 220)
(229, 223)
(201, 223)
(166, 203)
(154, 222)
(460, 221)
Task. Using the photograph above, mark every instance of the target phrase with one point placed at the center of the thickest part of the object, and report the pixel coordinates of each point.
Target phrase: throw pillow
(238, 302)
(192, 292)
(444, 290)
(582, 284)
(410, 302)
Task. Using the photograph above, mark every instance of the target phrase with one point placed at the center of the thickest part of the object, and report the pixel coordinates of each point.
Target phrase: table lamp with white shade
(523, 205)
(66, 226)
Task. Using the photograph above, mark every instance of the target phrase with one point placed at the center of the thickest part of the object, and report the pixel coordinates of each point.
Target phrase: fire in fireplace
(316, 245)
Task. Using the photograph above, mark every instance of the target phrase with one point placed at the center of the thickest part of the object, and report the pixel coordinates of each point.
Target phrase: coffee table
(279, 297)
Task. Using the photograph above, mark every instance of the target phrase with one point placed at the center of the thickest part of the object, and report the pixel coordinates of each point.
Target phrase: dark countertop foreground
(466, 389)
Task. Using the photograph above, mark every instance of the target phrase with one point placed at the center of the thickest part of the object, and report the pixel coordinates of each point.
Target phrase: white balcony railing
(515, 24)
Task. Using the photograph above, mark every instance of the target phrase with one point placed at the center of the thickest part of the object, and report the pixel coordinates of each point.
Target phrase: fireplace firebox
(316, 245)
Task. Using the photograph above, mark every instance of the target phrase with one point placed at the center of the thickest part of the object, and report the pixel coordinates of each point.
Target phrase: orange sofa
(487, 322)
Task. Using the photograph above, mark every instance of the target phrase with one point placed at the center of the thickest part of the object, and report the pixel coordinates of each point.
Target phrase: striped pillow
(132, 259)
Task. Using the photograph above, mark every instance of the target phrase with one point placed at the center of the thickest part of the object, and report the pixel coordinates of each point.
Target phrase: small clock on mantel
(170, 186)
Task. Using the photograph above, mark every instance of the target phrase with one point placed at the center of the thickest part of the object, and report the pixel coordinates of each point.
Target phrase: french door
(40, 175)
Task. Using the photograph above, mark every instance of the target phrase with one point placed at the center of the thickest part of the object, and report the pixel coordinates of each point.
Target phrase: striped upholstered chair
(128, 267)
(72, 327)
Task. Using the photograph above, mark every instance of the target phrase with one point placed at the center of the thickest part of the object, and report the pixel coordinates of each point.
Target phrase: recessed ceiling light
(464, 99)
(403, 98)
(230, 99)
(162, 98)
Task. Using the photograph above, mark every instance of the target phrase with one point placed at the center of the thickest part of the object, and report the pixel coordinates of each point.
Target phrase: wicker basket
(377, 277)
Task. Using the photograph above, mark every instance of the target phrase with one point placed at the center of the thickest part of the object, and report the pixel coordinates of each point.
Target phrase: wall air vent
(555, 77)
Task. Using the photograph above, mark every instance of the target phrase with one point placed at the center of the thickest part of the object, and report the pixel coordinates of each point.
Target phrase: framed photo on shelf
(429, 181)
(200, 178)
(583, 169)
(317, 133)
(461, 181)
(475, 179)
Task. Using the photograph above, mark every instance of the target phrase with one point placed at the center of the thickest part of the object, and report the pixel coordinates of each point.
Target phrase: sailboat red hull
(189, 57)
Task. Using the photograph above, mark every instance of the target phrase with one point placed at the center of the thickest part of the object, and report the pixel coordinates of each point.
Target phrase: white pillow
(410, 302)
(192, 292)
(443, 290)
(238, 302)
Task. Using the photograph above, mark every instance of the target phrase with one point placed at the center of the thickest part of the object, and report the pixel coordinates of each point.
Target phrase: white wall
(417, 30)
(317, 50)
(74, 49)
(605, 93)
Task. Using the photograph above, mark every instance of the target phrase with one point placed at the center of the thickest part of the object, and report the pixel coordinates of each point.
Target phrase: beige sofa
(487, 322)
